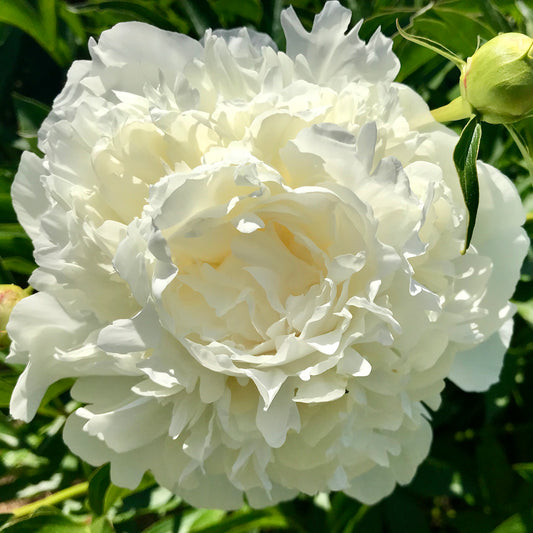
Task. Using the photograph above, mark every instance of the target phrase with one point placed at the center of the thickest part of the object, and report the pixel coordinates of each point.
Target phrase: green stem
(357, 518)
(50, 412)
(456, 110)
(432, 45)
(57, 497)
(522, 147)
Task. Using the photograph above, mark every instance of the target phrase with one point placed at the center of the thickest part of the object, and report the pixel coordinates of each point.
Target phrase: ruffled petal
(332, 55)
(475, 370)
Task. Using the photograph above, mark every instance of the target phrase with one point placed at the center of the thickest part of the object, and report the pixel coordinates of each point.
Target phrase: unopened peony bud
(497, 81)
(9, 296)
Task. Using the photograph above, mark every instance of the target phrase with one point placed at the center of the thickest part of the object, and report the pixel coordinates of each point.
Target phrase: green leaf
(9, 53)
(271, 21)
(4, 517)
(235, 10)
(517, 523)
(200, 14)
(113, 495)
(306, 515)
(472, 521)
(45, 523)
(30, 115)
(21, 14)
(432, 45)
(7, 384)
(366, 519)
(40, 24)
(214, 521)
(57, 389)
(102, 525)
(73, 20)
(525, 470)
(525, 310)
(102, 494)
(465, 158)
(7, 213)
(47, 9)
(14, 242)
(496, 476)
(125, 10)
(18, 265)
(98, 484)
(268, 519)
(170, 524)
(199, 519)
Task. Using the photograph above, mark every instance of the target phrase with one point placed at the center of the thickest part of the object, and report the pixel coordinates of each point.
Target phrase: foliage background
(479, 475)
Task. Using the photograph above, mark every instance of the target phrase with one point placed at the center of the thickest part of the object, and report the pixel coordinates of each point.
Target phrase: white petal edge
(477, 369)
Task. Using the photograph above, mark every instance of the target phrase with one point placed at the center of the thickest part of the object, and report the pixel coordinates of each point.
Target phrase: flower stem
(456, 110)
(524, 150)
(57, 497)
(357, 518)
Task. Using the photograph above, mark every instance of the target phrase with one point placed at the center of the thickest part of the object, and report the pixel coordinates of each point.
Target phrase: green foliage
(479, 475)
(465, 157)
(47, 523)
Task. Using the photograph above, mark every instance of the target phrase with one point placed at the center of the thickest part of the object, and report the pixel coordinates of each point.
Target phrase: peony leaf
(102, 525)
(47, 9)
(200, 14)
(525, 470)
(495, 473)
(232, 10)
(7, 384)
(102, 494)
(7, 213)
(123, 10)
(517, 523)
(525, 310)
(465, 157)
(169, 524)
(213, 521)
(40, 22)
(17, 265)
(23, 15)
(98, 484)
(46, 523)
(14, 242)
(251, 520)
(201, 519)
(270, 22)
(30, 115)
(432, 45)
(57, 389)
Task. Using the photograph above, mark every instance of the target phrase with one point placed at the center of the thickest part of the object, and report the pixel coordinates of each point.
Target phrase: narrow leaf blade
(465, 157)
(99, 482)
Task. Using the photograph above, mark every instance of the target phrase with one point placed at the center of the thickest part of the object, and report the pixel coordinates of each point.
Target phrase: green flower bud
(497, 81)
(9, 296)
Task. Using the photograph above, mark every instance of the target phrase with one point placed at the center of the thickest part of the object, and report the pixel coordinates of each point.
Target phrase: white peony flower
(250, 261)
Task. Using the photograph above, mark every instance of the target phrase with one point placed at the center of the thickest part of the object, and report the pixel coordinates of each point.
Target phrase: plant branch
(57, 497)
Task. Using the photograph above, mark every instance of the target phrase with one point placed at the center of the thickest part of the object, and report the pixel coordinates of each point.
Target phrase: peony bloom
(251, 262)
